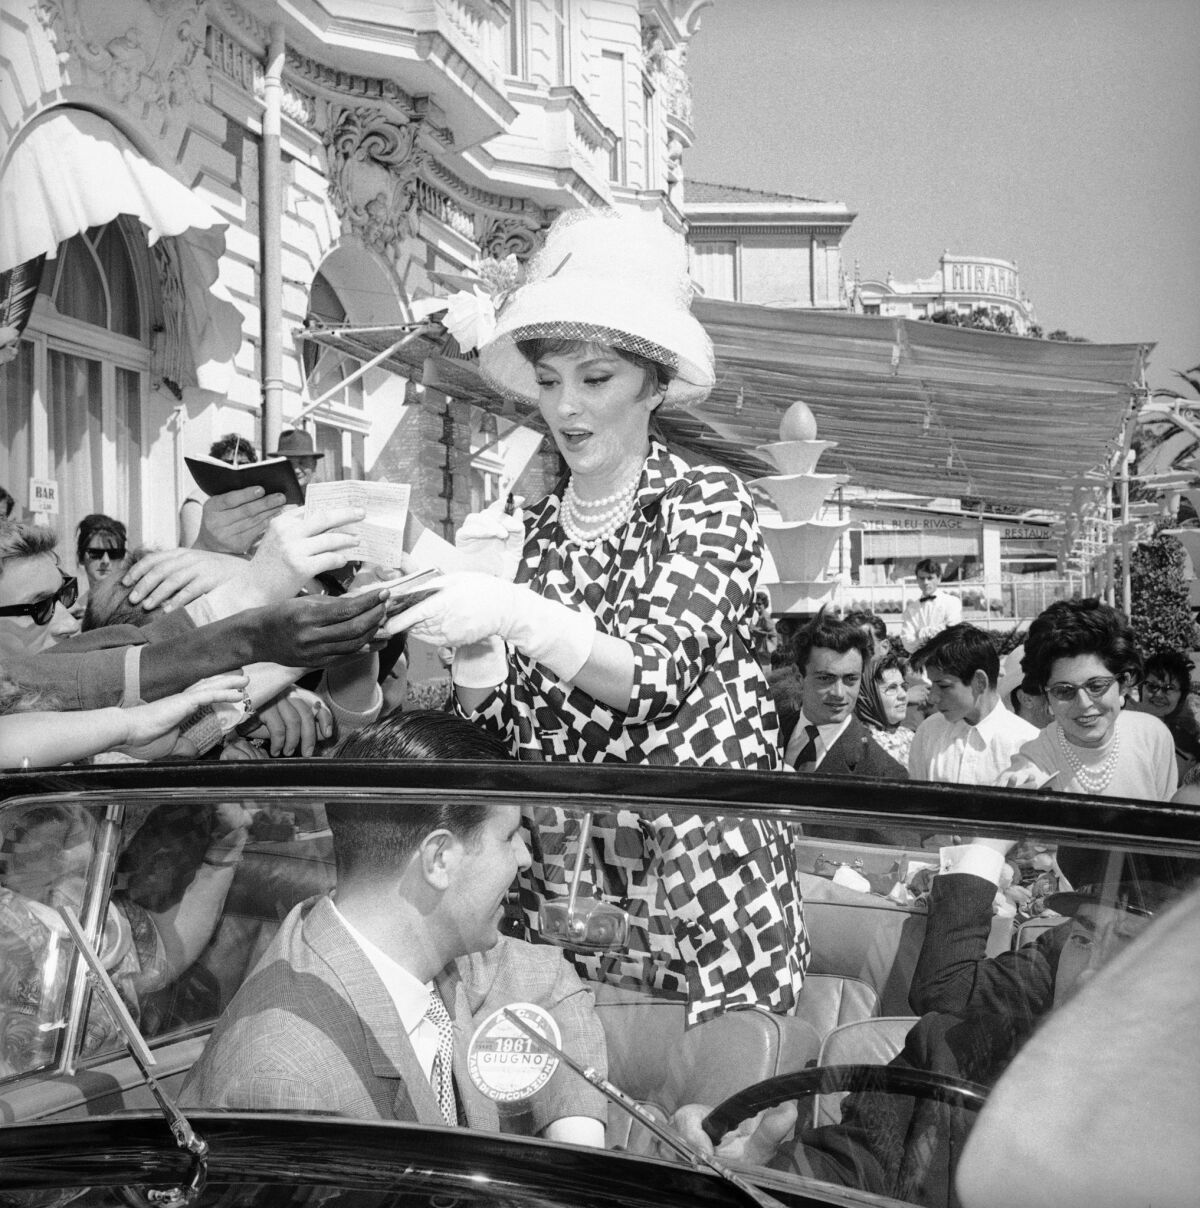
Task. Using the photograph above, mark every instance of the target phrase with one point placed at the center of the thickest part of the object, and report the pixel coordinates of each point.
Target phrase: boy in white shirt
(971, 737)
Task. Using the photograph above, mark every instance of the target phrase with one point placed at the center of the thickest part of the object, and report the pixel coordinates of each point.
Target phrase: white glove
(468, 607)
(480, 664)
(492, 541)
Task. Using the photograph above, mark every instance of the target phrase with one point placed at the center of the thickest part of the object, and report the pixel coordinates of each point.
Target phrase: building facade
(772, 249)
(238, 171)
(962, 285)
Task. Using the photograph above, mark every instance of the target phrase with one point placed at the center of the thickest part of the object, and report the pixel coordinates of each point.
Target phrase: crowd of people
(617, 619)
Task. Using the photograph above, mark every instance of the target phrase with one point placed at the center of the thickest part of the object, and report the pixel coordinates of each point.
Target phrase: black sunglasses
(94, 553)
(42, 610)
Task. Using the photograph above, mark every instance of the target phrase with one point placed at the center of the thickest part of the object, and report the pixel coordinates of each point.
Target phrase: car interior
(864, 910)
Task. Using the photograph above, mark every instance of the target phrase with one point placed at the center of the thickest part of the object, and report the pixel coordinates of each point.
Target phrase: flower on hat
(469, 312)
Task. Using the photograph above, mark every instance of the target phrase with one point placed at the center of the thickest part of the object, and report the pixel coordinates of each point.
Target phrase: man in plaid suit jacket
(327, 1023)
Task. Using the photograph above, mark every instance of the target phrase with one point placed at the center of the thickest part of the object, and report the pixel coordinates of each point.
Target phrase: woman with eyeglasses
(1166, 693)
(99, 546)
(1080, 654)
(35, 594)
(883, 705)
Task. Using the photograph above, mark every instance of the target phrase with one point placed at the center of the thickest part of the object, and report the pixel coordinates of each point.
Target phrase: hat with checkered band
(620, 280)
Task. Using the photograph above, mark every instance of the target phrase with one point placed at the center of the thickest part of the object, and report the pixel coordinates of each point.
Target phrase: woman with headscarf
(883, 705)
(626, 635)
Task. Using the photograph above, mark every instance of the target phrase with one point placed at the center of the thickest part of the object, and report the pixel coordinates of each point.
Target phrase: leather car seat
(864, 1042)
(655, 1060)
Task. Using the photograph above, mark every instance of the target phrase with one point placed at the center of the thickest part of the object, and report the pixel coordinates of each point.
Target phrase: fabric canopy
(69, 171)
(922, 407)
(916, 407)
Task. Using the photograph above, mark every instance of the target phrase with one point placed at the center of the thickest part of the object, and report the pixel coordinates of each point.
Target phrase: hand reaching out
(171, 578)
(233, 522)
(149, 727)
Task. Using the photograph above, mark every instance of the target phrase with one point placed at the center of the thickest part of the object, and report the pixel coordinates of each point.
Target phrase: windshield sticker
(507, 1065)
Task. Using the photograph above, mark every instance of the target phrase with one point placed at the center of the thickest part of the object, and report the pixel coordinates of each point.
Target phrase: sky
(1061, 134)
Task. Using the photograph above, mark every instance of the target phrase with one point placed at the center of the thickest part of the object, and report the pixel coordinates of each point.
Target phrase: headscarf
(870, 708)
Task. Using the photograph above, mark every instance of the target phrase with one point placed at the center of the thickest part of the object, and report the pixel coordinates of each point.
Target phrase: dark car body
(79, 1117)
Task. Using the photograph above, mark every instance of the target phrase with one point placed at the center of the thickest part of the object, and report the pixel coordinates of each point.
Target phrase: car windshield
(888, 955)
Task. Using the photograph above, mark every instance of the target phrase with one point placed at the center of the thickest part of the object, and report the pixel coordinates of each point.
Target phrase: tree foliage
(1161, 616)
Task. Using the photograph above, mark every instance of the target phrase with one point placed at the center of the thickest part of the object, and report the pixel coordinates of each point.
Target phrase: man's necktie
(442, 1074)
(807, 759)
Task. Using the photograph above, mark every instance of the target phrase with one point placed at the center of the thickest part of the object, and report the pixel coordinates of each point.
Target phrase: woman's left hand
(466, 607)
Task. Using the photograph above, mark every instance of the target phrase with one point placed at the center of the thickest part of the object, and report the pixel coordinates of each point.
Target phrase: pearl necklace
(1091, 779)
(588, 522)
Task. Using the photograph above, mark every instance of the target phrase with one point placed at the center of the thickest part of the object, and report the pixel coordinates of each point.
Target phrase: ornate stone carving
(142, 52)
(674, 84)
(515, 235)
(373, 165)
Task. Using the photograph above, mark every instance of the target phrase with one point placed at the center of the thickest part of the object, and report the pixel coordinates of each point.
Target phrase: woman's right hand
(492, 541)
(1022, 776)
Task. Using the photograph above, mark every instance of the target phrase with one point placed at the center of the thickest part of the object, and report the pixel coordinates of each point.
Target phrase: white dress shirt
(956, 752)
(927, 617)
(826, 736)
(410, 996)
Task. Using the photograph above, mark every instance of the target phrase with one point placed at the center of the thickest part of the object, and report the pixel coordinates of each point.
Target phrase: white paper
(381, 534)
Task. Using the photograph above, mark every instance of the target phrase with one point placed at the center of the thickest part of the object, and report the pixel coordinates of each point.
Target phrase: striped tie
(442, 1074)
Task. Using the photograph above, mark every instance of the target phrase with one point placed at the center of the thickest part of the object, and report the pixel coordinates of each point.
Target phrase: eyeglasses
(94, 553)
(42, 610)
(1154, 688)
(1095, 688)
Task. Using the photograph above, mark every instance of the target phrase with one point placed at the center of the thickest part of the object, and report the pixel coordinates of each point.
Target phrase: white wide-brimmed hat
(615, 279)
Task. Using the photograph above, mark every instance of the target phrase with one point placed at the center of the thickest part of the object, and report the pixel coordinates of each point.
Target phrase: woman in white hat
(626, 635)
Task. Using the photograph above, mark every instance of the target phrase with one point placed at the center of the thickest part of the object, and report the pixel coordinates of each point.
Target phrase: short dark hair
(930, 566)
(375, 837)
(98, 525)
(829, 633)
(1173, 664)
(108, 602)
(7, 503)
(862, 617)
(232, 445)
(1073, 627)
(961, 650)
(537, 347)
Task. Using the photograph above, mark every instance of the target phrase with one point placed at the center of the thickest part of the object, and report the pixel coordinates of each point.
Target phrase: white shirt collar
(830, 732)
(410, 996)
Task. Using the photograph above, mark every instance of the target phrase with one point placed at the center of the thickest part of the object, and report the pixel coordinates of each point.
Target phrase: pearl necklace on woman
(1091, 779)
(588, 522)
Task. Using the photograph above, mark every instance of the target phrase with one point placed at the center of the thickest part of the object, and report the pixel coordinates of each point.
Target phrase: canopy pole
(271, 235)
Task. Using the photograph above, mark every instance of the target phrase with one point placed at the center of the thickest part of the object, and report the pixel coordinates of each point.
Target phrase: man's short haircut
(108, 602)
(18, 540)
(960, 651)
(98, 525)
(829, 633)
(233, 445)
(930, 566)
(1075, 627)
(7, 503)
(874, 622)
(376, 837)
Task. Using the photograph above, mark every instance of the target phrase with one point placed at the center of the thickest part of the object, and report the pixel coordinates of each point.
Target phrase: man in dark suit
(366, 999)
(976, 1014)
(825, 735)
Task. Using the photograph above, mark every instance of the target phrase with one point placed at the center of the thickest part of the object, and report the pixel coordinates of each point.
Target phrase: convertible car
(130, 850)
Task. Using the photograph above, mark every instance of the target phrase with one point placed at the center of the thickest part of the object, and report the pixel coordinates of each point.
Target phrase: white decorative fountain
(800, 544)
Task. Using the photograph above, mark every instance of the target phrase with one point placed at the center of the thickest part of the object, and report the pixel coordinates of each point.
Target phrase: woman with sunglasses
(1080, 654)
(35, 594)
(99, 546)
